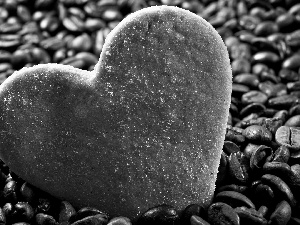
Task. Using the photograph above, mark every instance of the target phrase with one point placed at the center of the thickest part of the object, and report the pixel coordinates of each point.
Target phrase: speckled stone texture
(145, 128)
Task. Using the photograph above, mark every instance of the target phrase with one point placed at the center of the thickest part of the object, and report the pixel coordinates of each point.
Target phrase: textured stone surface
(145, 128)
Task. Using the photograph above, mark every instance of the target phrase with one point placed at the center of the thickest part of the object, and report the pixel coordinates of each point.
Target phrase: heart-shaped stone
(146, 127)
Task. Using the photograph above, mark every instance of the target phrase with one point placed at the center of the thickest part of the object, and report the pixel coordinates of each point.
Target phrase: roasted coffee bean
(293, 121)
(66, 212)
(23, 211)
(240, 50)
(279, 186)
(72, 61)
(282, 214)
(234, 199)
(250, 216)
(259, 157)
(282, 115)
(287, 75)
(196, 220)
(28, 192)
(249, 149)
(293, 38)
(294, 110)
(239, 89)
(81, 43)
(292, 62)
(91, 220)
(50, 23)
(279, 169)
(52, 44)
(257, 108)
(238, 167)
(230, 147)
(220, 213)
(282, 154)
(87, 212)
(271, 89)
(257, 134)
(121, 220)
(233, 187)
(293, 86)
(9, 191)
(240, 66)
(289, 137)
(189, 211)
(254, 96)
(44, 219)
(248, 79)
(160, 215)
(264, 195)
(266, 28)
(266, 57)
(283, 101)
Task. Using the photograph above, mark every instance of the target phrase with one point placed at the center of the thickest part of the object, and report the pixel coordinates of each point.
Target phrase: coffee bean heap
(259, 173)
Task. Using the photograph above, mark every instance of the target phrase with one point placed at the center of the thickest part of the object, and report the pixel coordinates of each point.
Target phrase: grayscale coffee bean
(293, 121)
(239, 89)
(220, 213)
(249, 149)
(44, 219)
(4, 67)
(271, 89)
(23, 211)
(9, 191)
(250, 216)
(282, 115)
(254, 96)
(269, 76)
(73, 24)
(283, 101)
(59, 55)
(292, 62)
(196, 220)
(294, 110)
(89, 58)
(99, 40)
(28, 193)
(81, 43)
(234, 199)
(120, 220)
(294, 176)
(76, 11)
(279, 187)
(257, 108)
(88, 212)
(264, 195)
(272, 124)
(279, 169)
(94, 24)
(259, 157)
(240, 66)
(245, 36)
(72, 61)
(238, 168)
(262, 43)
(257, 134)
(240, 50)
(2, 217)
(66, 212)
(287, 75)
(50, 23)
(91, 220)
(282, 214)
(112, 13)
(247, 79)
(43, 4)
(233, 187)
(10, 28)
(191, 210)
(282, 154)
(234, 135)
(285, 22)
(5, 56)
(160, 215)
(293, 38)
(249, 22)
(266, 28)
(230, 147)
(289, 137)
(258, 68)
(52, 44)
(293, 86)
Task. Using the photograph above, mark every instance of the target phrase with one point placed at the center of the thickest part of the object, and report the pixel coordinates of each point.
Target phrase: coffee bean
(238, 167)
(52, 44)
(240, 66)
(9, 191)
(247, 79)
(233, 187)
(271, 89)
(230, 147)
(81, 43)
(294, 110)
(239, 89)
(293, 38)
(196, 220)
(160, 215)
(282, 115)
(282, 214)
(240, 50)
(249, 149)
(220, 213)
(234, 199)
(250, 216)
(259, 157)
(279, 169)
(292, 62)
(94, 24)
(191, 210)
(266, 28)
(289, 137)
(119, 221)
(278, 185)
(88, 212)
(72, 61)
(288, 75)
(254, 96)
(293, 121)
(266, 57)
(91, 220)
(44, 219)
(264, 195)
(257, 108)
(249, 22)
(23, 211)
(283, 102)
(257, 134)
(28, 192)
(282, 154)
(66, 212)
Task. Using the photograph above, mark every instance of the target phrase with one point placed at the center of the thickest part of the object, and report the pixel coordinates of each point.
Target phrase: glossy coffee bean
(249, 149)
(250, 216)
(9, 191)
(121, 220)
(44, 219)
(254, 96)
(220, 213)
(279, 169)
(234, 199)
(91, 220)
(257, 134)
(66, 212)
(191, 210)
(282, 214)
(257, 108)
(240, 66)
(293, 121)
(233, 187)
(259, 157)
(264, 195)
(87, 212)
(266, 57)
(23, 211)
(248, 79)
(289, 137)
(283, 101)
(282, 154)
(294, 110)
(266, 28)
(271, 89)
(28, 192)
(160, 215)
(282, 115)
(293, 62)
(230, 147)
(238, 168)
(279, 186)
(288, 75)
(196, 220)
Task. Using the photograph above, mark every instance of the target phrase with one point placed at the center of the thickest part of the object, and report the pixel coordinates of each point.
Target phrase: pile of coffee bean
(259, 174)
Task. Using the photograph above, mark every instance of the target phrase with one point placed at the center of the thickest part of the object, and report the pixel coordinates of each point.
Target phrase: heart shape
(146, 127)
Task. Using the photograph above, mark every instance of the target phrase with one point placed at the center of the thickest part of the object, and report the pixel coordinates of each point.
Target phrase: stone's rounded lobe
(145, 128)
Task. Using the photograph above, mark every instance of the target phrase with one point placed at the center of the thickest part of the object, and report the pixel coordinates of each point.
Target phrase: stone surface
(146, 127)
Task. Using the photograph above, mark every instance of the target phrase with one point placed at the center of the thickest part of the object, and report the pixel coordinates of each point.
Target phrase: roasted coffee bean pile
(259, 175)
